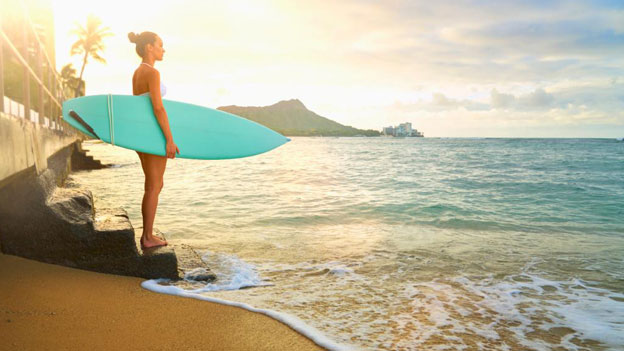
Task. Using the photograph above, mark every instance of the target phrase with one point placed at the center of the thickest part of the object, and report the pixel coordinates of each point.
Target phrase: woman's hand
(172, 149)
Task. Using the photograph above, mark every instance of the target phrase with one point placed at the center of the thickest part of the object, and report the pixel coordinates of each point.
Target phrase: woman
(146, 81)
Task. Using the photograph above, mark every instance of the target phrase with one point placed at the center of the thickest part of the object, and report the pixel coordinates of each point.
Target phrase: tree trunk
(84, 63)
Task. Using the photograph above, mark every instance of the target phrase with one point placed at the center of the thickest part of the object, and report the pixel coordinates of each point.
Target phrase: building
(389, 131)
(402, 130)
(406, 128)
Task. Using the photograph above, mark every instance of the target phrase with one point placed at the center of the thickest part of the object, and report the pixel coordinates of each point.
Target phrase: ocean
(402, 243)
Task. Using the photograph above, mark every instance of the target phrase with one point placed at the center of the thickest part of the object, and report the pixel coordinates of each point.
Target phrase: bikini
(163, 88)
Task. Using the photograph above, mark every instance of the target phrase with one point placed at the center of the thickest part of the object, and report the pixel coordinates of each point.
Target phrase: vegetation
(292, 118)
(71, 83)
(89, 44)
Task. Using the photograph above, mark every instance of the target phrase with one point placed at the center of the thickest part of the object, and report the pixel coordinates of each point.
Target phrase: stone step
(72, 232)
(114, 231)
(157, 262)
(81, 161)
(119, 253)
(191, 266)
(189, 262)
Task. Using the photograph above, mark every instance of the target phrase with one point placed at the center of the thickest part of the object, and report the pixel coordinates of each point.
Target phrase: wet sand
(51, 307)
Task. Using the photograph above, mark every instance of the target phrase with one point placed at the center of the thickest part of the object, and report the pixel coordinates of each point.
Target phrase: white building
(402, 130)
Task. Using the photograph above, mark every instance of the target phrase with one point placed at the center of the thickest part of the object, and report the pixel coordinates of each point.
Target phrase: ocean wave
(524, 311)
(295, 323)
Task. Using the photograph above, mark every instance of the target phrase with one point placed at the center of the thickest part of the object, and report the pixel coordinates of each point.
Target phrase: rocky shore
(47, 218)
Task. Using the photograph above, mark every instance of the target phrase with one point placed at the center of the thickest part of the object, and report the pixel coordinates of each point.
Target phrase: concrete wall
(24, 144)
(41, 218)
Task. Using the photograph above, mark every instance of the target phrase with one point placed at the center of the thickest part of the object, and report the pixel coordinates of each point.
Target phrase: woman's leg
(154, 169)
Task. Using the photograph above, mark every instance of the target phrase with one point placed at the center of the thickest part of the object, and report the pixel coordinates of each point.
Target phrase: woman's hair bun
(141, 40)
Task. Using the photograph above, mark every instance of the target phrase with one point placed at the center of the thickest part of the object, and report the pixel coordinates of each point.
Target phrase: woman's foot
(153, 241)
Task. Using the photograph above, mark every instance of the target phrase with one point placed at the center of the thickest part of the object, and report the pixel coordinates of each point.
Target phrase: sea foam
(524, 304)
(295, 323)
(233, 274)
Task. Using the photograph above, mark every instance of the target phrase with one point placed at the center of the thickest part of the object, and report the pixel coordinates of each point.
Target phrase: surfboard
(199, 132)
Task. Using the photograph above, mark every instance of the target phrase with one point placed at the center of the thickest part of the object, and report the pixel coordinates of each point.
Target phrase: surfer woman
(146, 81)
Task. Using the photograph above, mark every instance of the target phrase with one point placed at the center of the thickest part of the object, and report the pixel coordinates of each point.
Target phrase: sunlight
(354, 62)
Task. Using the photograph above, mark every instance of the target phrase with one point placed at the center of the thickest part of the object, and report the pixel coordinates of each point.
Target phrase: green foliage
(89, 44)
(292, 118)
(71, 82)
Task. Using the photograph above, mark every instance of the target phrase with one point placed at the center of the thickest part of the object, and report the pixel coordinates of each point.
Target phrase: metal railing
(54, 91)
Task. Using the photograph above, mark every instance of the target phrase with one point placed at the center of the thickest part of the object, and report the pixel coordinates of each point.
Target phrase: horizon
(478, 69)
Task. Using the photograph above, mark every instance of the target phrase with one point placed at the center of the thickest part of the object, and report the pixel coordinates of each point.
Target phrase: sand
(51, 307)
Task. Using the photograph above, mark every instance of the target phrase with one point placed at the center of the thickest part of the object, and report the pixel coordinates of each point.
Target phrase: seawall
(43, 218)
(26, 146)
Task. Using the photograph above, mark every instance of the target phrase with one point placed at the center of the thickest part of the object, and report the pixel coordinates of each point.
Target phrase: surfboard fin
(78, 119)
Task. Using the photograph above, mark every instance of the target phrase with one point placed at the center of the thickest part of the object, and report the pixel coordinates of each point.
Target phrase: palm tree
(70, 81)
(89, 43)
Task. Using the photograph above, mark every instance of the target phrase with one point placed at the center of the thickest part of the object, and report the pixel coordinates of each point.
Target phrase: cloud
(500, 100)
(600, 101)
(524, 61)
(440, 102)
(538, 99)
(494, 41)
(605, 99)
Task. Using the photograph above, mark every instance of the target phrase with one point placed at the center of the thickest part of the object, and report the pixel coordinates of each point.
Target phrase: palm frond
(89, 43)
(68, 71)
(97, 57)
(77, 48)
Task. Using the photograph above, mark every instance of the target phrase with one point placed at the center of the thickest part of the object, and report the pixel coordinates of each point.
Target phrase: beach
(401, 243)
(51, 307)
(302, 205)
(449, 251)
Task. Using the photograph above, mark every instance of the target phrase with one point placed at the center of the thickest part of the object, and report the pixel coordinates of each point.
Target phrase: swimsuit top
(163, 88)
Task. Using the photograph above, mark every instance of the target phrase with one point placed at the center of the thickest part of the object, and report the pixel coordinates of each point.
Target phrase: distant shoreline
(456, 137)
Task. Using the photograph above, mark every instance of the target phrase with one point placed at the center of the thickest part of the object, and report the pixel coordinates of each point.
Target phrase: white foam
(295, 323)
(232, 273)
(527, 301)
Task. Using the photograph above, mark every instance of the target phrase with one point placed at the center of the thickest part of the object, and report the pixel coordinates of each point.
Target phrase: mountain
(292, 118)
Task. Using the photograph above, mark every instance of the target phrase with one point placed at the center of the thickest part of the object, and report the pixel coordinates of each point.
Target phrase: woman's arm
(160, 113)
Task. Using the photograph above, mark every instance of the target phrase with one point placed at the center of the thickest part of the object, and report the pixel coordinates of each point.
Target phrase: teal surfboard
(200, 132)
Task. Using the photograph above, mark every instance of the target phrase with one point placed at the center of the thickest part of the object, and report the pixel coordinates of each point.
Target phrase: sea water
(402, 243)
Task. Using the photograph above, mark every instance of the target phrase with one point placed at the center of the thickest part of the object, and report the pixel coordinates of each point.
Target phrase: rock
(42, 221)
(74, 207)
(117, 251)
(115, 232)
(71, 183)
(158, 262)
(191, 266)
(200, 274)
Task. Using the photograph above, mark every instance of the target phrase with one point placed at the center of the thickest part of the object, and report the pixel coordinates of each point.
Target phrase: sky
(451, 68)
